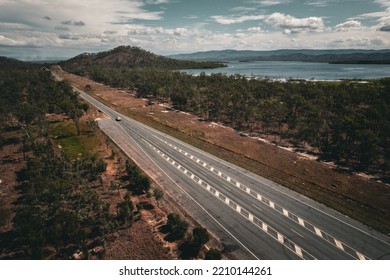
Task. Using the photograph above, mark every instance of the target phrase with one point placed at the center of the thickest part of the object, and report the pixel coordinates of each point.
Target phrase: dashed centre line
(290, 245)
(317, 231)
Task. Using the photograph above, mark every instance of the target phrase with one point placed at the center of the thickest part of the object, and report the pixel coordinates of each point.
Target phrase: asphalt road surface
(253, 217)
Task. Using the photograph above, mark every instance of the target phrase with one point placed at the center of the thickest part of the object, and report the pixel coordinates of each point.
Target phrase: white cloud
(74, 26)
(74, 23)
(62, 28)
(157, 2)
(243, 9)
(384, 28)
(382, 18)
(318, 3)
(109, 32)
(9, 26)
(384, 3)
(256, 29)
(153, 31)
(348, 25)
(295, 25)
(43, 23)
(231, 20)
(70, 36)
(96, 13)
(269, 2)
(385, 13)
(7, 41)
(191, 17)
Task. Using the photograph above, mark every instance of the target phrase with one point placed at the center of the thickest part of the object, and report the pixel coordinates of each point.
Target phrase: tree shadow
(189, 250)
(10, 247)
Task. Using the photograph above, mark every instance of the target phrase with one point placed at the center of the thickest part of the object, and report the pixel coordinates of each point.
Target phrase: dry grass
(362, 199)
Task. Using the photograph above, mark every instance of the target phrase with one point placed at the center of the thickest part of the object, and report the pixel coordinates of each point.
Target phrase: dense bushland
(347, 122)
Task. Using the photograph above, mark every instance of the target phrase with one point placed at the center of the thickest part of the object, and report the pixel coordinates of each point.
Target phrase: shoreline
(235, 68)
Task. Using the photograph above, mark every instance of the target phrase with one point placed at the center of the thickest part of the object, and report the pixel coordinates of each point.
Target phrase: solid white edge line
(272, 204)
(197, 203)
(361, 256)
(208, 213)
(236, 168)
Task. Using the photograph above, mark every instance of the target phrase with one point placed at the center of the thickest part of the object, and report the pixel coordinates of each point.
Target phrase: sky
(49, 29)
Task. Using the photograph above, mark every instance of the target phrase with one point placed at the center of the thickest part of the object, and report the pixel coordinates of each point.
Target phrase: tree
(29, 223)
(213, 254)
(158, 193)
(125, 210)
(75, 114)
(177, 226)
(92, 125)
(200, 236)
(139, 183)
(191, 248)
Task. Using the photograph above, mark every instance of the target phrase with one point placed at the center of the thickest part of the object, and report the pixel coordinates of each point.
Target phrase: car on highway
(118, 118)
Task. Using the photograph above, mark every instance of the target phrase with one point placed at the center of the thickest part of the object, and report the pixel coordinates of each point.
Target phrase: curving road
(253, 217)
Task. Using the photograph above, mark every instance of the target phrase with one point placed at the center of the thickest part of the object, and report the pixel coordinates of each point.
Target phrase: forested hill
(11, 62)
(131, 57)
(325, 56)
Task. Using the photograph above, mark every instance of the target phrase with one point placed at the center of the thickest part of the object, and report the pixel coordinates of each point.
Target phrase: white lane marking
(280, 238)
(246, 214)
(193, 199)
(298, 251)
(361, 256)
(271, 204)
(318, 231)
(339, 244)
(300, 235)
(240, 170)
(258, 208)
(185, 192)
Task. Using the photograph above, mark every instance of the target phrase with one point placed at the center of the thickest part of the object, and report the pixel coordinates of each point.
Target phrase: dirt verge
(358, 197)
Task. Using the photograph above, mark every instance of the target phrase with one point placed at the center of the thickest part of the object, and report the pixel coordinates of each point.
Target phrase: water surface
(301, 70)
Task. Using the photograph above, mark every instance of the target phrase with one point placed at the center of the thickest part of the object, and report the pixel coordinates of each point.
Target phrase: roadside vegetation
(57, 211)
(60, 208)
(346, 122)
(191, 245)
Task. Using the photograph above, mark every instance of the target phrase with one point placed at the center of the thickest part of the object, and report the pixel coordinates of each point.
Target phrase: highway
(252, 217)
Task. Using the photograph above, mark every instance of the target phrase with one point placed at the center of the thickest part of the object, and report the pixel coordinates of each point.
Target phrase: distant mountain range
(326, 56)
(131, 57)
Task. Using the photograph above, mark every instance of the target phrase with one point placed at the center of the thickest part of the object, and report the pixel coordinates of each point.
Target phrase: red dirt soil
(354, 195)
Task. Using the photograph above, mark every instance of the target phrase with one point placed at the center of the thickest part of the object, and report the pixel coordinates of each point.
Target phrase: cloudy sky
(41, 29)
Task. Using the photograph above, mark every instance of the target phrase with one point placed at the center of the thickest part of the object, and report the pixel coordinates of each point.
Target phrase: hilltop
(132, 57)
(305, 55)
(12, 62)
